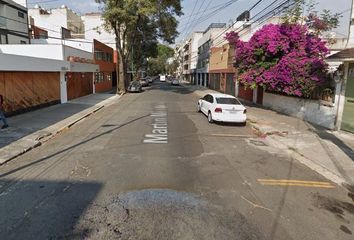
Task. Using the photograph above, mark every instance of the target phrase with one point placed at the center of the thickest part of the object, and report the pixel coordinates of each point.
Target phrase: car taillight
(245, 111)
(219, 110)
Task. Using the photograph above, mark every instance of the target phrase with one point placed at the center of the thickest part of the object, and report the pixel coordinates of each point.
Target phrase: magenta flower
(284, 58)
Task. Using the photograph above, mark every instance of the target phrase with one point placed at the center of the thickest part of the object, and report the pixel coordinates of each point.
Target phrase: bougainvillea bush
(283, 58)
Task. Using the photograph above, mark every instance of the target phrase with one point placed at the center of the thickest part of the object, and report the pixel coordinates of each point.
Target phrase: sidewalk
(327, 152)
(30, 130)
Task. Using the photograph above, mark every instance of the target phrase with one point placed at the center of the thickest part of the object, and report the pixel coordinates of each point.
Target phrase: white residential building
(204, 44)
(179, 59)
(49, 57)
(94, 29)
(190, 57)
(21, 2)
(13, 23)
(59, 22)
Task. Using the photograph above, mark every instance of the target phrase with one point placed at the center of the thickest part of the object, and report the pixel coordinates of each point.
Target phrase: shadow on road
(70, 147)
(45, 209)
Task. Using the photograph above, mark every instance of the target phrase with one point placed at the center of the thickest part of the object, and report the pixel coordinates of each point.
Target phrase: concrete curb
(272, 140)
(36, 139)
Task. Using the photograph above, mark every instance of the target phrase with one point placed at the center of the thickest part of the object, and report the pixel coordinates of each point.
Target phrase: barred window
(99, 77)
(109, 76)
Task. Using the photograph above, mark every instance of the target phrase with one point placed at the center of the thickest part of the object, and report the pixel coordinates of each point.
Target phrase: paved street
(150, 167)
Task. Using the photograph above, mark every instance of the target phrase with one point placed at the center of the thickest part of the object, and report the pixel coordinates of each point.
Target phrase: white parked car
(222, 108)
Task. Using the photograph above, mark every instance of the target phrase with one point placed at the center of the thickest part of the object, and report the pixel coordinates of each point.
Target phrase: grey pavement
(30, 130)
(100, 180)
(330, 153)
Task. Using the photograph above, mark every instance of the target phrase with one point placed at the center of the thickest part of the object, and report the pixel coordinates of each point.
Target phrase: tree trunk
(125, 70)
(122, 76)
(118, 60)
(121, 73)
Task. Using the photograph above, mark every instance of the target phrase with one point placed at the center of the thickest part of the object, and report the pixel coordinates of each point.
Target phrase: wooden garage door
(230, 84)
(79, 84)
(23, 90)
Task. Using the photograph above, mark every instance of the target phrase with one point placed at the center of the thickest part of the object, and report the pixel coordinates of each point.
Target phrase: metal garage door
(230, 84)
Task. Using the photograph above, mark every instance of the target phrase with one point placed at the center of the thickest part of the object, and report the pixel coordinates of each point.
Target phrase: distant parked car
(135, 86)
(222, 108)
(144, 82)
(150, 79)
(175, 82)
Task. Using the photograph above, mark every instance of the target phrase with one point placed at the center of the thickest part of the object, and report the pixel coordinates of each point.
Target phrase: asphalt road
(150, 167)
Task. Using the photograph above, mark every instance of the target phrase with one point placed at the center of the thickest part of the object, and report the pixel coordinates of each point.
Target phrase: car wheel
(210, 118)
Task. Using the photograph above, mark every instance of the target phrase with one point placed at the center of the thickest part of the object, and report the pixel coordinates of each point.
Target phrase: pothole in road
(165, 214)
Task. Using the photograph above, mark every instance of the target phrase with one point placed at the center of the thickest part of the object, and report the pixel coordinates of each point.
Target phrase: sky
(202, 16)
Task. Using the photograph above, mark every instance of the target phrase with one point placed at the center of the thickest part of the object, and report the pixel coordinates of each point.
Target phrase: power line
(48, 1)
(268, 6)
(211, 14)
(200, 17)
(195, 5)
(213, 7)
(231, 26)
(47, 29)
(274, 9)
(255, 5)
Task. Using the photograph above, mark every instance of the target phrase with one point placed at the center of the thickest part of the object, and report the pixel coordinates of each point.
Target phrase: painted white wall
(63, 88)
(11, 62)
(50, 22)
(39, 51)
(309, 110)
(340, 96)
(81, 44)
(49, 51)
(70, 51)
(55, 19)
(94, 29)
(21, 2)
(194, 49)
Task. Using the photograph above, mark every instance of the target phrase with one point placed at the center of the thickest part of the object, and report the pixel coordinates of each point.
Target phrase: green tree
(303, 12)
(143, 46)
(159, 64)
(132, 20)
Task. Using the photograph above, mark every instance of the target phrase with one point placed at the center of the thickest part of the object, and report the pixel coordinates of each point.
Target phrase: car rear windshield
(224, 100)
